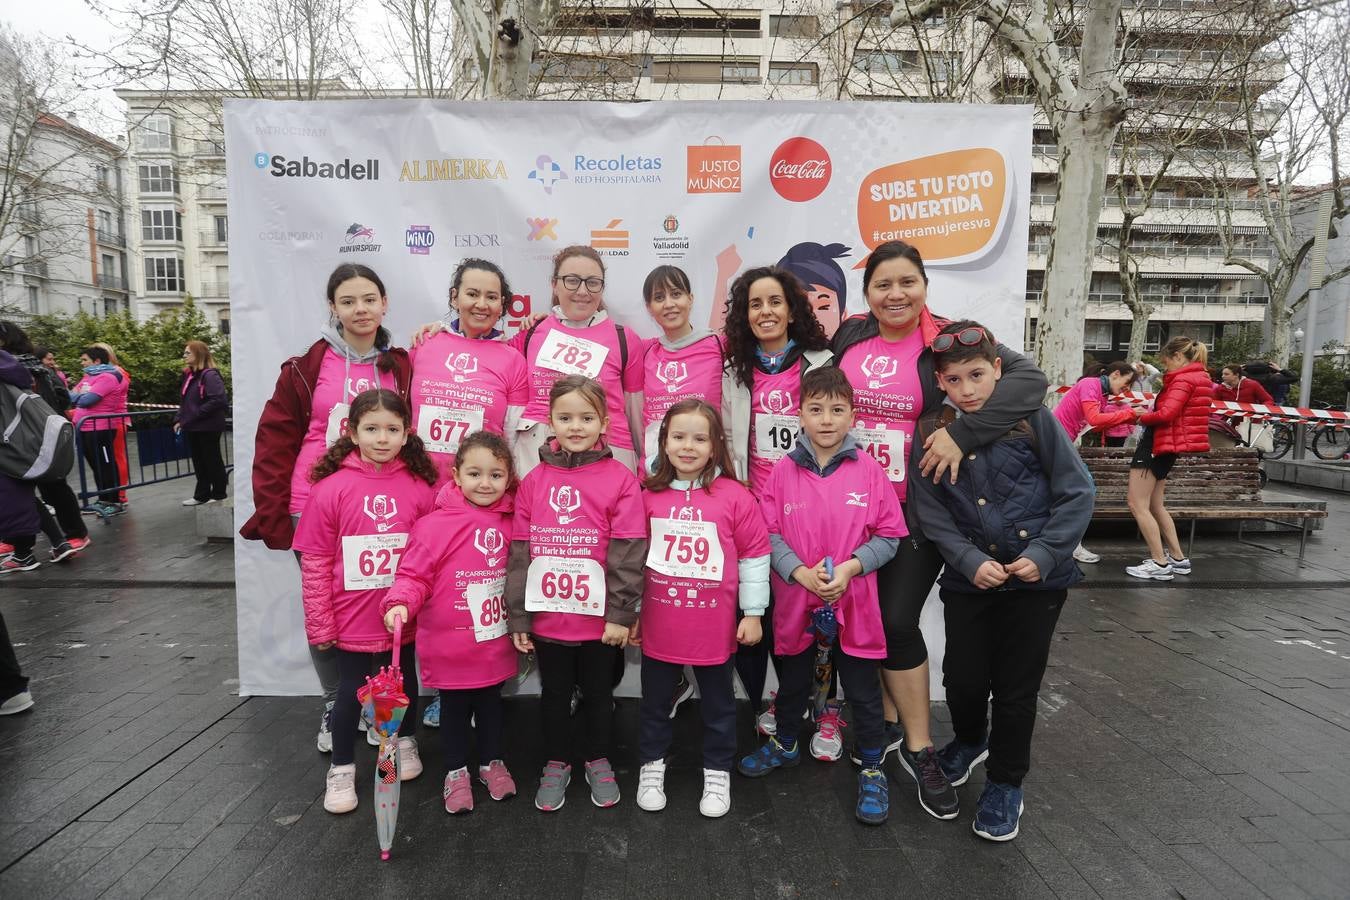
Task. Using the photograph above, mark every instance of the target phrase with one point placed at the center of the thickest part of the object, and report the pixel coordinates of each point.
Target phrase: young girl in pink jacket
(574, 582)
(452, 581)
(369, 489)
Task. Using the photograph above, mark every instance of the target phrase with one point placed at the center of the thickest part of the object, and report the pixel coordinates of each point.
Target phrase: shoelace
(830, 722)
(931, 772)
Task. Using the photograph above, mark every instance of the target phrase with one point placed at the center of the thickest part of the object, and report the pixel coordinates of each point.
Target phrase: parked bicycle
(1322, 437)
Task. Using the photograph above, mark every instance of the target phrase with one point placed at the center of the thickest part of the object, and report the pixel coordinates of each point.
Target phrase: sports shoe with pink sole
(458, 791)
(499, 782)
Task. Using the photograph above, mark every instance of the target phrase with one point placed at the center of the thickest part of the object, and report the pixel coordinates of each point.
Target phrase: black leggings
(588, 665)
(902, 586)
(752, 663)
(484, 705)
(1115, 441)
(353, 668)
(59, 495)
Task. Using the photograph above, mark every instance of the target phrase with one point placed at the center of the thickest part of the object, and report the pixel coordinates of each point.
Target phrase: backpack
(36, 442)
(623, 344)
(50, 388)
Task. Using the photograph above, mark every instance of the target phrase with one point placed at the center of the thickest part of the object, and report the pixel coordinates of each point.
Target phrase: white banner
(409, 188)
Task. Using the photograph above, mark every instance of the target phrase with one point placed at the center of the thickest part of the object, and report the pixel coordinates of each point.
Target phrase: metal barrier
(146, 451)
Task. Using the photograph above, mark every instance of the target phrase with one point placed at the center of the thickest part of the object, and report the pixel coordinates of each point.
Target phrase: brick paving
(1193, 740)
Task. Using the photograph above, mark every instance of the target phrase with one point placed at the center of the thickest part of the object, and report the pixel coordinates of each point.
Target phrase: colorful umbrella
(383, 704)
(825, 624)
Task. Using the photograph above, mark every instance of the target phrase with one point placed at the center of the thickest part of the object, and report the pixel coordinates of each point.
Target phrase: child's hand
(634, 637)
(990, 574)
(615, 635)
(326, 645)
(811, 579)
(832, 590)
(398, 611)
(750, 632)
(522, 641)
(426, 333)
(1024, 569)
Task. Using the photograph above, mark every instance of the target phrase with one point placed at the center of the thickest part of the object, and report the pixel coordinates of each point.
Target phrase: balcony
(36, 268)
(211, 149)
(1161, 202)
(1110, 306)
(214, 289)
(210, 240)
(111, 238)
(25, 215)
(211, 193)
(112, 282)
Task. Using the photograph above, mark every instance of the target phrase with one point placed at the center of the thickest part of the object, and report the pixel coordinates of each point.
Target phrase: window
(1099, 336)
(163, 274)
(158, 179)
(224, 321)
(1153, 339)
(105, 221)
(706, 71)
(792, 73)
(156, 133)
(1202, 332)
(161, 225)
(222, 229)
(794, 26)
(33, 299)
(109, 266)
(101, 177)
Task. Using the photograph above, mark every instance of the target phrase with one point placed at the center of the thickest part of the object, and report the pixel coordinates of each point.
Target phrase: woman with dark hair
(772, 340)
(826, 285)
(308, 412)
(888, 358)
(201, 418)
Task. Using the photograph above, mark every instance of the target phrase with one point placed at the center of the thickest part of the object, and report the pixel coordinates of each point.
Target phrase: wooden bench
(1222, 485)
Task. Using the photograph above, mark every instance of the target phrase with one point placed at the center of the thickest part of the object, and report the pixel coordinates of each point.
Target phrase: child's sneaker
(874, 797)
(604, 786)
(766, 723)
(716, 800)
(80, 543)
(827, 744)
(1150, 568)
(409, 760)
(651, 792)
(772, 755)
(498, 779)
(894, 735)
(432, 717)
(324, 741)
(958, 759)
(1179, 566)
(458, 791)
(684, 689)
(999, 813)
(339, 794)
(936, 795)
(12, 564)
(552, 793)
(62, 552)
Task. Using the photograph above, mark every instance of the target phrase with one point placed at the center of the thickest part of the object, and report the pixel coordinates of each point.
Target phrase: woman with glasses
(578, 338)
(887, 356)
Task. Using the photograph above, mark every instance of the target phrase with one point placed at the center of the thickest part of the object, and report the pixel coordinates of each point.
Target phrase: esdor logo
(800, 169)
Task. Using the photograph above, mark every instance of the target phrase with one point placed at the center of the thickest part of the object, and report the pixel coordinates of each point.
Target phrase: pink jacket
(1085, 406)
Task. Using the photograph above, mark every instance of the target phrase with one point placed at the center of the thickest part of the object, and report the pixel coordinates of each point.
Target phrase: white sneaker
(716, 801)
(1149, 568)
(324, 740)
(1084, 555)
(651, 792)
(409, 760)
(193, 501)
(340, 794)
(17, 704)
(1179, 566)
(827, 744)
(766, 723)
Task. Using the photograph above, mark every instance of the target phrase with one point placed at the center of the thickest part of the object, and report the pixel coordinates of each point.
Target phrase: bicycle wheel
(1331, 443)
(1283, 436)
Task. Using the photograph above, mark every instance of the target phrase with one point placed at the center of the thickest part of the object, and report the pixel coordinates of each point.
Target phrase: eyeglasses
(595, 284)
(967, 337)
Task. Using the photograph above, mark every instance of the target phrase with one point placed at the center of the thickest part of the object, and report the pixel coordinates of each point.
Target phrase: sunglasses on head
(967, 337)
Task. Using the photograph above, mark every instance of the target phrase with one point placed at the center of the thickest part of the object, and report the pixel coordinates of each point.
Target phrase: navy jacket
(205, 403)
(1026, 493)
(18, 511)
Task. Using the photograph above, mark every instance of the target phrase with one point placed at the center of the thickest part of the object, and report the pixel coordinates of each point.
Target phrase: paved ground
(1194, 740)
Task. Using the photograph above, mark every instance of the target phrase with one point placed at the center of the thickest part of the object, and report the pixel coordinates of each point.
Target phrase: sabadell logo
(800, 169)
(343, 170)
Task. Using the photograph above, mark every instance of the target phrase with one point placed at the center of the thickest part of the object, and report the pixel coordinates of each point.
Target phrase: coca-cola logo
(800, 169)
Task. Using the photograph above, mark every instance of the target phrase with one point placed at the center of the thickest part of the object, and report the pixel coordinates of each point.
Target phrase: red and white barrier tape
(1260, 411)
(154, 405)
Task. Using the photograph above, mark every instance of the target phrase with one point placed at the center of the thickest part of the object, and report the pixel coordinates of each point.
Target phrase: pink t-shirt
(669, 376)
(361, 517)
(887, 398)
(832, 516)
(690, 603)
(112, 390)
(569, 517)
(775, 401)
(338, 384)
(460, 386)
(556, 350)
(456, 560)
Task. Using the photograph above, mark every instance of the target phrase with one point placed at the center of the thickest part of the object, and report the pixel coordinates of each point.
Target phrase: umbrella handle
(398, 641)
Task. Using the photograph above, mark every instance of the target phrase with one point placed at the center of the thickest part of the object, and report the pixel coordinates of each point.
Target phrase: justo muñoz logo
(800, 169)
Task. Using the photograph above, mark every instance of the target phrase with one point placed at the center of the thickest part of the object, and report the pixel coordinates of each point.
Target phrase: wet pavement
(1193, 740)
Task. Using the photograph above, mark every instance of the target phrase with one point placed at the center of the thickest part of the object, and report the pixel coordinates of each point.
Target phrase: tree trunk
(1140, 313)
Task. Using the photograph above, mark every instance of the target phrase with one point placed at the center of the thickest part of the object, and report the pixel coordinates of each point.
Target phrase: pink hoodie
(1084, 406)
(452, 579)
(354, 530)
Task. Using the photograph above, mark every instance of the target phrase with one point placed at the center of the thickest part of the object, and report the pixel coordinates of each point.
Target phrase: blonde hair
(1188, 348)
(201, 355)
(112, 354)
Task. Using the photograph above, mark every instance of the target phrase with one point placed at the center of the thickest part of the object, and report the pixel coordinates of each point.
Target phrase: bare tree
(421, 36)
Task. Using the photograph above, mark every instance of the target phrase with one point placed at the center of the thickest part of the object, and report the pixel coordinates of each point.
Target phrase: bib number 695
(564, 586)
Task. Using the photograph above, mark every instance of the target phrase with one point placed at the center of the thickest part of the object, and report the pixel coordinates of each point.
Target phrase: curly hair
(493, 443)
(741, 341)
(721, 460)
(413, 454)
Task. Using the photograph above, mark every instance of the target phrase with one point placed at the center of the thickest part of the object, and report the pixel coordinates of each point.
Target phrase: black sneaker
(63, 551)
(894, 735)
(683, 691)
(936, 794)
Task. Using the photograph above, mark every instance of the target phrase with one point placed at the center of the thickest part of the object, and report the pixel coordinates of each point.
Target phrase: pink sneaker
(499, 782)
(458, 791)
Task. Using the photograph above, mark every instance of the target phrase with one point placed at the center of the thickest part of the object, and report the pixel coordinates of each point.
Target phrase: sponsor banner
(412, 187)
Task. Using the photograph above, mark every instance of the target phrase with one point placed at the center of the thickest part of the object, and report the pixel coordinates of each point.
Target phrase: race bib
(371, 560)
(337, 422)
(887, 447)
(441, 428)
(572, 355)
(488, 608)
(565, 585)
(774, 435)
(683, 549)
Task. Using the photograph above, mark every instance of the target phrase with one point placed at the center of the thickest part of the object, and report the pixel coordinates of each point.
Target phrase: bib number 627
(379, 562)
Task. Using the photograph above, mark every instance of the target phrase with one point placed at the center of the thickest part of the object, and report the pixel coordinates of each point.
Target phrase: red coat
(281, 431)
(1180, 415)
(1249, 390)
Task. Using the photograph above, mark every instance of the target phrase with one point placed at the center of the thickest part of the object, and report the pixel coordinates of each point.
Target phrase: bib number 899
(494, 610)
(563, 586)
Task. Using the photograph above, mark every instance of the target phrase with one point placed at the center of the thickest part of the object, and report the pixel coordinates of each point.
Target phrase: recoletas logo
(304, 167)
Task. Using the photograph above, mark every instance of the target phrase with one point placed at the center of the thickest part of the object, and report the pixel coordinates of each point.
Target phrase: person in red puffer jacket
(1179, 423)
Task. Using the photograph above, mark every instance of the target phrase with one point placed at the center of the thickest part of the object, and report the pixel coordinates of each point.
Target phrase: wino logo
(490, 543)
(419, 239)
(565, 501)
(381, 510)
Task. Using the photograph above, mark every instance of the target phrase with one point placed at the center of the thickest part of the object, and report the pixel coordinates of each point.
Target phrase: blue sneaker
(957, 759)
(768, 757)
(432, 717)
(874, 797)
(999, 812)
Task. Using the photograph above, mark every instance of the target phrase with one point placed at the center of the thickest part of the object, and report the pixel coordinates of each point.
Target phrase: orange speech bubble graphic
(949, 206)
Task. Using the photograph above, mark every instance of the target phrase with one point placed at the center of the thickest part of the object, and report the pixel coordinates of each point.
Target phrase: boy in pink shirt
(833, 520)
